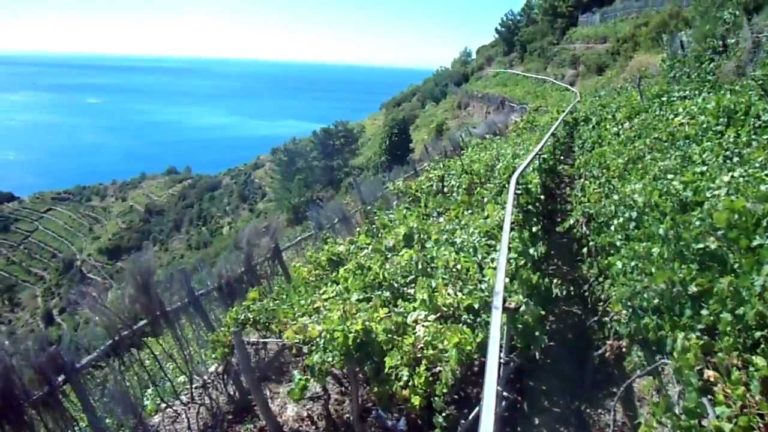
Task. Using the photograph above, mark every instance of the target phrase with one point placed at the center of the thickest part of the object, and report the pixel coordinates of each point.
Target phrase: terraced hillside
(55, 245)
(45, 245)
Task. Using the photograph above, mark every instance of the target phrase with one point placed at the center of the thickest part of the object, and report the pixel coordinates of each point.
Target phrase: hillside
(634, 292)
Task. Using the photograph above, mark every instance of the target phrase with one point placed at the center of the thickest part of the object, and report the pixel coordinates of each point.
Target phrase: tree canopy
(305, 168)
(540, 24)
(8, 197)
(398, 141)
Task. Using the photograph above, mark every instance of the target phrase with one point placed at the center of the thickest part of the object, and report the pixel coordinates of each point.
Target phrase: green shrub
(596, 62)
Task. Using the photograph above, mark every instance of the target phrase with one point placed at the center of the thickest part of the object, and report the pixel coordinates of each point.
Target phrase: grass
(51, 242)
(423, 130)
(61, 231)
(76, 224)
(14, 269)
(602, 33)
(371, 141)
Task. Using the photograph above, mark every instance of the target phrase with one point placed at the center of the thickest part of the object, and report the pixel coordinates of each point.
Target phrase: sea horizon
(78, 119)
(180, 57)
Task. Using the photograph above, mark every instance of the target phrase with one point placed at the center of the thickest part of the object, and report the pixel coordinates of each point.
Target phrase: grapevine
(405, 300)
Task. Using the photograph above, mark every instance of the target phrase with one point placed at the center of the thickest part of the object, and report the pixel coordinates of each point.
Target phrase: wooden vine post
(277, 256)
(81, 394)
(639, 86)
(255, 384)
(358, 191)
(360, 199)
(197, 307)
(229, 369)
(354, 397)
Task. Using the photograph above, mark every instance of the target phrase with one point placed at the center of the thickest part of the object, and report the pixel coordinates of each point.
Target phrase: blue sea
(80, 120)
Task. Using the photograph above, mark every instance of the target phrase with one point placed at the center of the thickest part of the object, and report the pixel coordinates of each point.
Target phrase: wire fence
(626, 9)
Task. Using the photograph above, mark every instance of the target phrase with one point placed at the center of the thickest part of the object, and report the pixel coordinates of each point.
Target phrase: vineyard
(53, 246)
(44, 243)
(634, 284)
(671, 200)
(402, 305)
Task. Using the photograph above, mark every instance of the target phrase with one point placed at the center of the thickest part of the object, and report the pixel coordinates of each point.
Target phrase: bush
(565, 58)
(596, 62)
(398, 141)
(66, 264)
(643, 65)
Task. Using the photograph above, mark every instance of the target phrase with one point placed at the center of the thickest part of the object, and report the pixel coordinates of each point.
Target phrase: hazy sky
(383, 32)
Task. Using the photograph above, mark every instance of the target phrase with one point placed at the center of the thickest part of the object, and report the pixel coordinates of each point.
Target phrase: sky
(405, 33)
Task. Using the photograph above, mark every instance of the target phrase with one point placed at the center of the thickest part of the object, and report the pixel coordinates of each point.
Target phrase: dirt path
(553, 387)
(562, 389)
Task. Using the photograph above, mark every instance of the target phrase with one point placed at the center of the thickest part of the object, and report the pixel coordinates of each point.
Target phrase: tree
(752, 7)
(397, 140)
(435, 88)
(529, 13)
(517, 30)
(542, 23)
(558, 16)
(171, 170)
(333, 148)
(583, 6)
(304, 168)
(464, 60)
(508, 31)
(292, 182)
(8, 197)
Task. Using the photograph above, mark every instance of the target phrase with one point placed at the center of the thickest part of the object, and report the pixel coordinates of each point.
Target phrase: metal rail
(491, 379)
